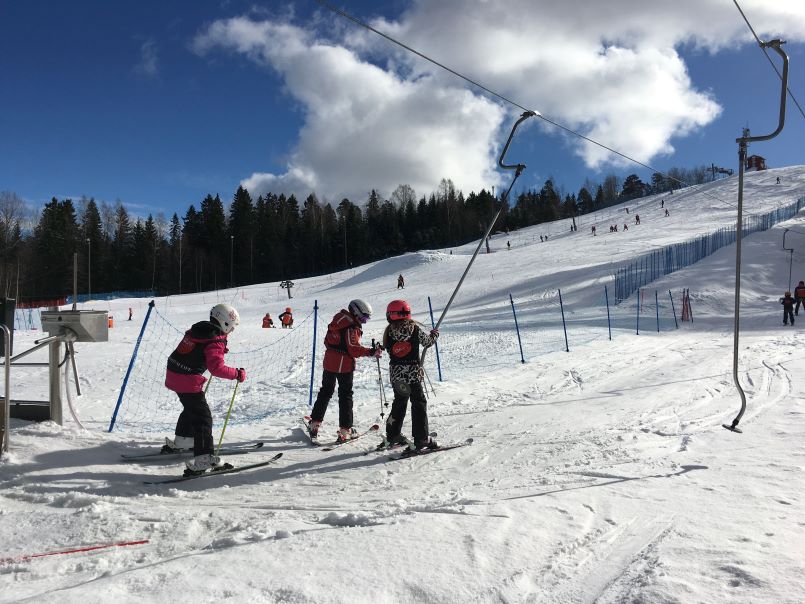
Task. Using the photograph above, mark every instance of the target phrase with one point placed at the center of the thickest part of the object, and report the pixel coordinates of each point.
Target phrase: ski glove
(377, 350)
(434, 333)
(241, 375)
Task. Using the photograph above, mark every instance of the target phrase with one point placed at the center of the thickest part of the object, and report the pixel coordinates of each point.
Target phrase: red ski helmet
(288, 309)
(398, 310)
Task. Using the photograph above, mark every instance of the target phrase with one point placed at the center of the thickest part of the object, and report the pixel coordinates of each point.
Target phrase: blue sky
(159, 103)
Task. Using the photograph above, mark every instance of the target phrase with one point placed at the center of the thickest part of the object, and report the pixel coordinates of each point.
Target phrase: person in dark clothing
(402, 340)
(400, 282)
(788, 308)
(202, 348)
(342, 346)
(799, 296)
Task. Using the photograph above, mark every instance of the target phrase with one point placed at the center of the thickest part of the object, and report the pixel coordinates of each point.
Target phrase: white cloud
(609, 69)
(149, 60)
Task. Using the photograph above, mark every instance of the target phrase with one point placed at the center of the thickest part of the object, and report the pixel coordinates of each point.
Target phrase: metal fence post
(564, 325)
(517, 328)
(313, 356)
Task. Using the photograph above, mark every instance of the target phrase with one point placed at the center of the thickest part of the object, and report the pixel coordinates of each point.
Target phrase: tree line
(270, 238)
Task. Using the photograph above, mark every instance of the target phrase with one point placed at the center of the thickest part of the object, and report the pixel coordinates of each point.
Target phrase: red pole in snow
(78, 550)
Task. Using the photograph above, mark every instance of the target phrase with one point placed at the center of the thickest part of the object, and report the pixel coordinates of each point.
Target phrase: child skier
(402, 339)
(799, 296)
(268, 322)
(788, 308)
(286, 318)
(343, 346)
(201, 349)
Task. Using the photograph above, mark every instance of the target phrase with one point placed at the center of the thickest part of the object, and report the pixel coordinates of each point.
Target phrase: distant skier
(625, 227)
(662, 204)
(342, 346)
(130, 313)
(637, 218)
(627, 210)
(400, 282)
(268, 322)
(778, 180)
(402, 340)
(666, 212)
(593, 230)
(202, 348)
(788, 308)
(286, 318)
(540, 238)
(799, 295)
(509, 245)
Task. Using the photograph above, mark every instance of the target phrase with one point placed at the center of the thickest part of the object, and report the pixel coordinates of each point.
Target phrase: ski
(409, 453)
(339, 443)
(212, 473)
(381, 448)
(188, 453)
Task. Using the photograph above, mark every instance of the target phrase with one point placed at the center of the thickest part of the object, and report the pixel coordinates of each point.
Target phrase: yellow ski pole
(226, 421)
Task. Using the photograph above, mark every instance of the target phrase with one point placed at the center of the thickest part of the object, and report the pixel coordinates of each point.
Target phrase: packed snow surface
(597, 474)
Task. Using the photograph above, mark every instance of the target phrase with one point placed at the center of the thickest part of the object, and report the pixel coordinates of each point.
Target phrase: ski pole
(383, 401)
(226, 421)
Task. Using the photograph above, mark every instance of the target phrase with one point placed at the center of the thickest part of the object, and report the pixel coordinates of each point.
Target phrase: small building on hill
(755, 163)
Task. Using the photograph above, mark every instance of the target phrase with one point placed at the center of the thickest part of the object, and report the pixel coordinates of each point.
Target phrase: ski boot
(313, 429)
(179, 444)
(202, 463)
(345, 434)
(393, 441)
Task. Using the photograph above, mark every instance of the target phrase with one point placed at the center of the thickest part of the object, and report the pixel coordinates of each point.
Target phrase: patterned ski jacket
(402, 340)
(201, 349)
(343, 343)
(799, 292)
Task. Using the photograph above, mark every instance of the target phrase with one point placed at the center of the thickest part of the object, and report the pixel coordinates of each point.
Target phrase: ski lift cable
(567, 129)
(765, 52)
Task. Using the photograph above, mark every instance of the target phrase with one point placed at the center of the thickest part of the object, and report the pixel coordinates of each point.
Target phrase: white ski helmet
(226, 316)
(361, 309)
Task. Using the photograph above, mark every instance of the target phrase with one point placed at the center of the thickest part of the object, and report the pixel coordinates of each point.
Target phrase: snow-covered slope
(599, 474)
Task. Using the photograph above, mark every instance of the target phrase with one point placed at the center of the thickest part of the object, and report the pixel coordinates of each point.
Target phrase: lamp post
(231, 260)
(89, 270)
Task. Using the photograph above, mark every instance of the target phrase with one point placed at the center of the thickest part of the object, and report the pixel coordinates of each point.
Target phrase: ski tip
(374, 427)
(732, 428)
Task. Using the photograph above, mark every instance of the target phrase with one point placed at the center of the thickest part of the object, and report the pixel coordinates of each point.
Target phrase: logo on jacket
(186, 346)
(400, 349)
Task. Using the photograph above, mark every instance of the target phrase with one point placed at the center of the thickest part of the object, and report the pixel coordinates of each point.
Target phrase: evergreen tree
(55, 241)
(585, 201)
(633, 188)
(242, 229)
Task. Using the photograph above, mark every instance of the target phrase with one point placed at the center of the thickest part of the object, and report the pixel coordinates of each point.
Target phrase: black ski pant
(788, 313)
(326, 391)
(196, 421)
(419, 411)
(799, 301)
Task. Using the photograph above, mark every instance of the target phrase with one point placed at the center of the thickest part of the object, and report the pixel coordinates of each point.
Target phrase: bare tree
(107, 212)
(402, 195)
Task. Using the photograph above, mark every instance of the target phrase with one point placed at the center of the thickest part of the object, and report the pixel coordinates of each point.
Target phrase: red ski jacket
(201, 349)
(343, 343)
